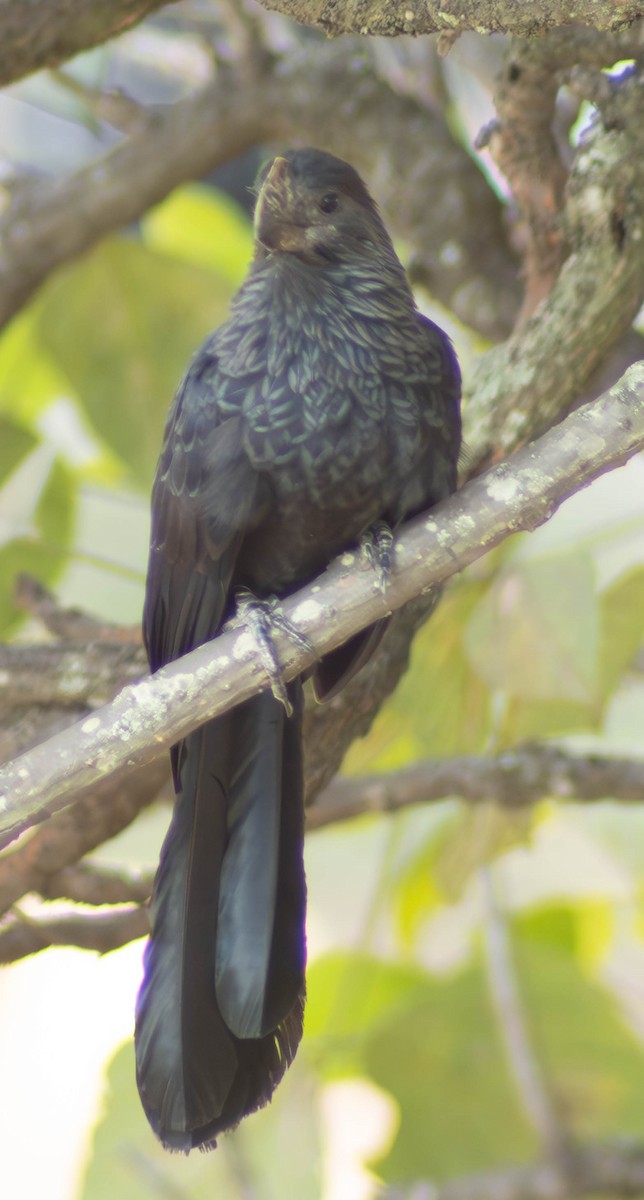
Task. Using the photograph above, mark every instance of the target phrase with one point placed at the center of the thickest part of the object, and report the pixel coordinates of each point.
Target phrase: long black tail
(219, 1012)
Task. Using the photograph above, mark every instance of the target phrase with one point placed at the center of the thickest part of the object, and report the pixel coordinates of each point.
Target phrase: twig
(157, 712)
(115, 107)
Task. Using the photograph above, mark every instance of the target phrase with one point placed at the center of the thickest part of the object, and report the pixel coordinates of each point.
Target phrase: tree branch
(91, 819)
(87, 883)
(150, 715)
(35, 35)
(521, 387)
(95, 931)
(389, 18)
(514, 779)
(523, 140)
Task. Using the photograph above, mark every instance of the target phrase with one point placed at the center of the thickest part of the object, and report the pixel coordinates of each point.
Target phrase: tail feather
(260, 931)
(217, 916)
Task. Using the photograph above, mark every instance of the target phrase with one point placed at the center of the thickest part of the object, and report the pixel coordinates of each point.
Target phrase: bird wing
(206, 496)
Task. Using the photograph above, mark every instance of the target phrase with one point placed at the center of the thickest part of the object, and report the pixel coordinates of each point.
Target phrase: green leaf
(595, 1063)
(441, 705)
(122, 324)
(584, 930)
(420, 888)
(622, 614)
(15, 444)
(535, 634)
(483, 832)
(202, 225)
(442, 1061)
(29, 379)
(350, 995)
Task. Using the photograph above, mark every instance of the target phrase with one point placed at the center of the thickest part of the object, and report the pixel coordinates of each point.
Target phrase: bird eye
(328, 203)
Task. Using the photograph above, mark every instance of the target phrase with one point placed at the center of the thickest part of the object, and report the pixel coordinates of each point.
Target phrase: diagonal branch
(155, 713)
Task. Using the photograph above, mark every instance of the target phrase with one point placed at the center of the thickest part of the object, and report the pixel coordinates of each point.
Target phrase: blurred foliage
(527, 645)
(127, 1162)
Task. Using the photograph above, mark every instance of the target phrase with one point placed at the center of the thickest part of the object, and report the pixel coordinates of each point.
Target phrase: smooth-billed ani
(326, 403)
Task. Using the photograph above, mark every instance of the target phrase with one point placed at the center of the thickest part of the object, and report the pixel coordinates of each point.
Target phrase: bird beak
(276, 189)
(274, 226)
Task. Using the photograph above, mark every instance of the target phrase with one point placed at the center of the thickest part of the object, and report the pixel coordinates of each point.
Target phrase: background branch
(101, 932)
(514, 779)
(34, 36)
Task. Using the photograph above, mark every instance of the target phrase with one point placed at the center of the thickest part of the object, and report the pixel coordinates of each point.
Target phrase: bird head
(316, 207)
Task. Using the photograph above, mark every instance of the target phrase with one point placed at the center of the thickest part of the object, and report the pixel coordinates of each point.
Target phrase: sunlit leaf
(30, 380)
(203, 226)
(123, 323)
(584, 930)
(15, 444)
(483, 832)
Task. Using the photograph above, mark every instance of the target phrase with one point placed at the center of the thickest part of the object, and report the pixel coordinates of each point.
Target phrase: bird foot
(376, 546)
(261, 617)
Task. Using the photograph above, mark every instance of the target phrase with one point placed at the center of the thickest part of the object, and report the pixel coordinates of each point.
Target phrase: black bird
(325, 404)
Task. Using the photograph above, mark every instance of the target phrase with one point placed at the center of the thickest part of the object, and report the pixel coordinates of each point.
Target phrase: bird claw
(261, 617)
(376, 546)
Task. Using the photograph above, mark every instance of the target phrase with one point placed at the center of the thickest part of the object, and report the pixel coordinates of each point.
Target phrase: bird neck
(359, 283)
